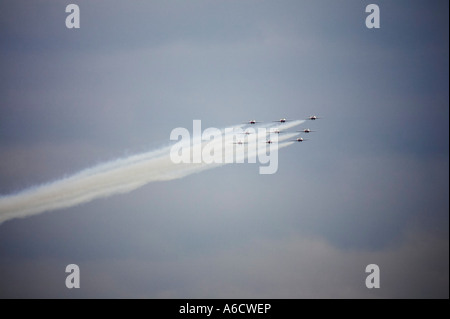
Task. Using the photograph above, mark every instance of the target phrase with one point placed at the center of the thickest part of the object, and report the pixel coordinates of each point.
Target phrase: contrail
(115, 177)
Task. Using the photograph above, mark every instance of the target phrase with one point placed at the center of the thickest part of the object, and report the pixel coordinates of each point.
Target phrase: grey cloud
(370, 184)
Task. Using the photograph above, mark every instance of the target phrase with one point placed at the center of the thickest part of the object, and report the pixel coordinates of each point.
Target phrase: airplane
(299, 139)
(251, 122)
(313, 117)
(246, 133)
(239, 142)
(269, 142)
(283, 120)
(306, 130)
(276, 131)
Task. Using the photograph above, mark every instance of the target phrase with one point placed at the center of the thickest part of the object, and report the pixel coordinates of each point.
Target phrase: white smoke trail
(115, 177)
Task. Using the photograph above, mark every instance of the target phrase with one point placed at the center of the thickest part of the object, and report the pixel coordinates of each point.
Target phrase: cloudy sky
(370, 186)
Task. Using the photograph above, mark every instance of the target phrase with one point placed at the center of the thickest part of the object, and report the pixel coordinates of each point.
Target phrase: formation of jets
(278, 131)
(284, 120)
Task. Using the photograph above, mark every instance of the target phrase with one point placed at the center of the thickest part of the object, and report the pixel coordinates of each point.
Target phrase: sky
(369, 186)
